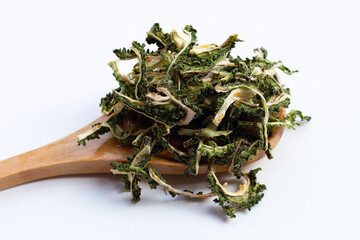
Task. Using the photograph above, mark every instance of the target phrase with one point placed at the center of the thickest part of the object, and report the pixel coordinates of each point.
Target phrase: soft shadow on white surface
(108, 189)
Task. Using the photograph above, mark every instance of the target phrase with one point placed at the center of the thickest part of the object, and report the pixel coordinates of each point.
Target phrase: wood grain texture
(65, 157)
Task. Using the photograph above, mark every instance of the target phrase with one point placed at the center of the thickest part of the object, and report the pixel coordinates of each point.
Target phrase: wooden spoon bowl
(65, 157)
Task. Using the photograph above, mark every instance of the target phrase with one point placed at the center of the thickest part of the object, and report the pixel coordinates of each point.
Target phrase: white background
(53, 72)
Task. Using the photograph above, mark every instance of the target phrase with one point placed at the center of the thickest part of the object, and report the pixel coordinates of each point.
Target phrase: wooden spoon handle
(62, 157)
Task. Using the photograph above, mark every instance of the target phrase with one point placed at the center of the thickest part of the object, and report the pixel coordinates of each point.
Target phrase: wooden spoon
(65, 157)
